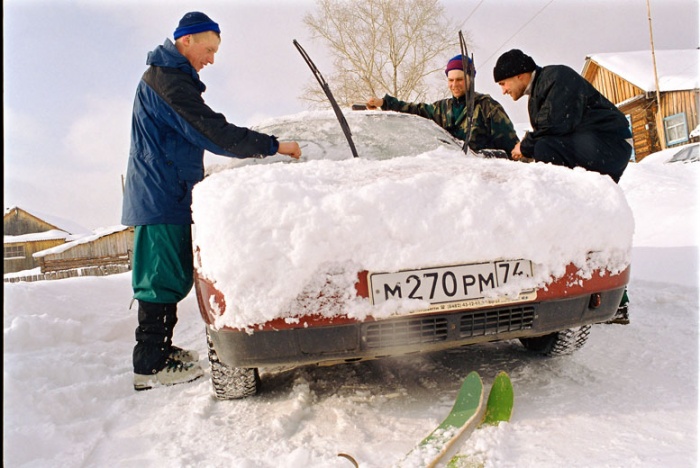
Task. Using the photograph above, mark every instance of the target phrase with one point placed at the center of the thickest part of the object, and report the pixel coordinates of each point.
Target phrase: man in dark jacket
(491, 126)
(171, 128)
(573, 124)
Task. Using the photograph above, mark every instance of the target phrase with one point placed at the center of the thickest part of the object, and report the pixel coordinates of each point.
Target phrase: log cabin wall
(641, 107)
(13, 262)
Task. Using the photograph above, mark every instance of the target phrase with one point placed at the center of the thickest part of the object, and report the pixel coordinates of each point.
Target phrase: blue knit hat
(455, 63)
(195, 22)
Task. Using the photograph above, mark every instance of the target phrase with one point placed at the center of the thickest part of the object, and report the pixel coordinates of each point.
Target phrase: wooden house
(61, 249)
(628, 80)
(25, 234)
(19, 250)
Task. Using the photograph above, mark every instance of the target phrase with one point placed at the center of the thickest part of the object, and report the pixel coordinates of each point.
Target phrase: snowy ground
(627, 399)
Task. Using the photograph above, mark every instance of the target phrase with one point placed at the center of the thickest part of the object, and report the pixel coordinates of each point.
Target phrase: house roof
(52, 234)
(678, 69)
(98, 233)
(55, 221)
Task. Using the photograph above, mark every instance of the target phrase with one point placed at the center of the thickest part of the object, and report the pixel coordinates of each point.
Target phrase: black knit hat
(195, 22)
(512, 63)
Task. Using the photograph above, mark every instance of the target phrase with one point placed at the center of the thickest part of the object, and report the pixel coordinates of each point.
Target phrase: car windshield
(689, 154)
(377, 135)
(684, 154)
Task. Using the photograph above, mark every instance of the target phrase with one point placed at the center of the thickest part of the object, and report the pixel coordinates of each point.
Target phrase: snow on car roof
(268, 234)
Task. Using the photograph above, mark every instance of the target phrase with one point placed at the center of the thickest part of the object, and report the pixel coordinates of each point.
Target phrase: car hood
(271, 236)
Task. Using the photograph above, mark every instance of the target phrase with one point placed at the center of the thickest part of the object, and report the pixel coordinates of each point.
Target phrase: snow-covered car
(411, 247)
(688, 153)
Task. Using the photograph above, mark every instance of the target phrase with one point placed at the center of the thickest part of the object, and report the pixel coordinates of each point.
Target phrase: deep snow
(626, 399)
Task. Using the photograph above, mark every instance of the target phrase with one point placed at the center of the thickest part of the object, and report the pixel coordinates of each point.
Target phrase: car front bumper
(327, 341)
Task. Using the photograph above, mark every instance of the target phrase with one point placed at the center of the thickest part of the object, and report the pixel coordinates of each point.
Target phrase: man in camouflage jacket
(491, 126)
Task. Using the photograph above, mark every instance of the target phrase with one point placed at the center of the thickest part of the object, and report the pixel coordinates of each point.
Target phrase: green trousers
(162, 264)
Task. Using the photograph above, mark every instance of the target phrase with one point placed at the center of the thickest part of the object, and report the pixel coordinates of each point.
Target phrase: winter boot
(184, 355)
(175, 372)
(153, 336)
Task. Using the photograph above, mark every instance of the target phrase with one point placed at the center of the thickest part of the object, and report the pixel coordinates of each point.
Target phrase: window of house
(676, 129)
(14, 251)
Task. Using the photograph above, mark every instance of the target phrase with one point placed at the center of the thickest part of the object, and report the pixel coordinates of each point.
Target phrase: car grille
(490, 322)
(406, 331)
(411, 331)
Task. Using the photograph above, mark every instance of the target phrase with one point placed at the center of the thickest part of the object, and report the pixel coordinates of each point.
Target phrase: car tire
(231, 383)
(559, 343)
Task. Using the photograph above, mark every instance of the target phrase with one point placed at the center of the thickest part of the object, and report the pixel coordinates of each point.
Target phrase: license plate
(458, 286)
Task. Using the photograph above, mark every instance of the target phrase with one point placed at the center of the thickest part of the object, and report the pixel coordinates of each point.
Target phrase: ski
(469, 72)
(499, 408)
(324, 85)
(466, 413)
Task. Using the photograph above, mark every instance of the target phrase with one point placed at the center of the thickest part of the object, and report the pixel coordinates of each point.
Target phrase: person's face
(456, 82)
(515, 85)
(200, 48)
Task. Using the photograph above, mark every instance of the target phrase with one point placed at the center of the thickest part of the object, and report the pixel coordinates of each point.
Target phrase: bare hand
(290, 148)
(374, 102)
(516, 155)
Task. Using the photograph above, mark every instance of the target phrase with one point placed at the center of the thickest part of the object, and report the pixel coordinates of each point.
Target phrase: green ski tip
(499, 406)
(464, 461)
(465, 415)
(466, 407)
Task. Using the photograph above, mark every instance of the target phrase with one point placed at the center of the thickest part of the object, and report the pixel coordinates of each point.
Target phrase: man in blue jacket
(171, 128)
(573, 124)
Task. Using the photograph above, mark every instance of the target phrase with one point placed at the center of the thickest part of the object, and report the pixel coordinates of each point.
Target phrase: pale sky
(71, 70)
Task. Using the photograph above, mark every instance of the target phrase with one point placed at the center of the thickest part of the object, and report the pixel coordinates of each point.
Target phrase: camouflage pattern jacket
(491, 126)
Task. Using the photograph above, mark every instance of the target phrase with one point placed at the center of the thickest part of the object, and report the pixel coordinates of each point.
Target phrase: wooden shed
(108, 250)
(628, 80)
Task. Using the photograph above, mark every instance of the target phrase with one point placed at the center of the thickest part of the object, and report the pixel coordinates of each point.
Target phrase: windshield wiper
(469, 71)
(338, 113)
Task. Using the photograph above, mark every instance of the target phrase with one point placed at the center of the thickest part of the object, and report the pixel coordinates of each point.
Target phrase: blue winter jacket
(171, 127)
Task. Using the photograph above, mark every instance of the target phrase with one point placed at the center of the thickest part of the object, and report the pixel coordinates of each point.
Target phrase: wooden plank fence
(101, 270)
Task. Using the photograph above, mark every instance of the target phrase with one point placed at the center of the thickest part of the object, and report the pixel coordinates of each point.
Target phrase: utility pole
(659, 120)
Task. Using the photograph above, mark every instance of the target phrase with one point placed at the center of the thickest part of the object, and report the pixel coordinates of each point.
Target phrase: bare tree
(381, 46)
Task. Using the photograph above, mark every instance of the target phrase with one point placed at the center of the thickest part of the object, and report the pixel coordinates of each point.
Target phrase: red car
(460, 302)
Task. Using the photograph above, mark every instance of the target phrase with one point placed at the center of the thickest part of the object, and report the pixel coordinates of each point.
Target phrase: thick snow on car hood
(274, 237)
